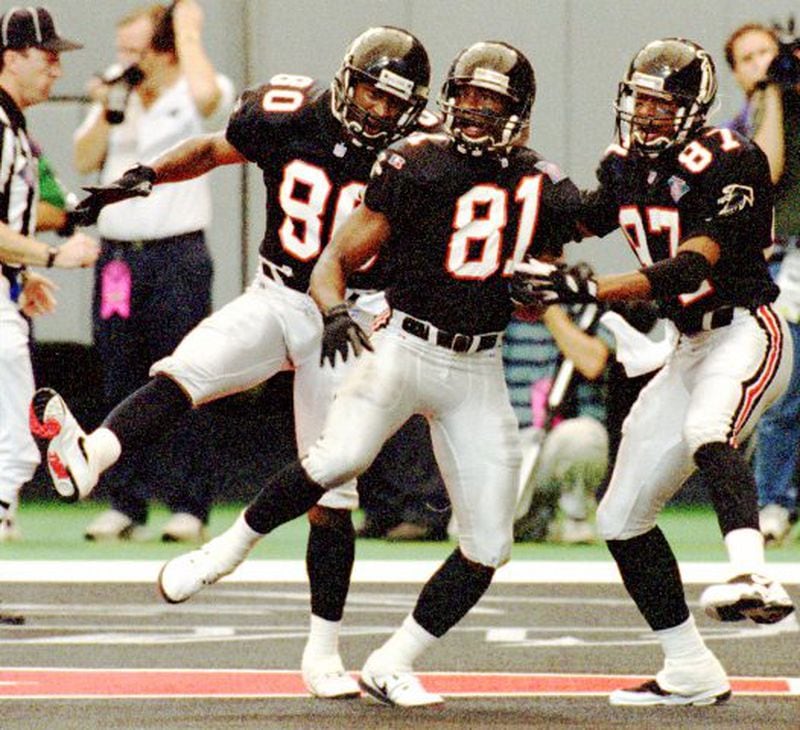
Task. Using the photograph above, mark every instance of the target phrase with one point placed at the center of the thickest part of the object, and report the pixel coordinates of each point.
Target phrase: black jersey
(716, 184)
(458, 223)
(314, 175)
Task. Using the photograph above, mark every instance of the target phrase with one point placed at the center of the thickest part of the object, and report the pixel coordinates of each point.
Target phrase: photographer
(766, 65)
(153, 278)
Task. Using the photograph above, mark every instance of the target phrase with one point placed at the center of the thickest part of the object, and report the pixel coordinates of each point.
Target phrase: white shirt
(170, 209)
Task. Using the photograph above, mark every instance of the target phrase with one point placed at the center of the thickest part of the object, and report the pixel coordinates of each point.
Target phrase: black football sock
(651, 576)
(329, 561)
(450, 593)
(731, 485)
(148, 413)
(287, 494)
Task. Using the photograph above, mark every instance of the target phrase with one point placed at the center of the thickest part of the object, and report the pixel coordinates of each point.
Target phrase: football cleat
(752, 596)
(9, 529)
(182, 577)
(774, 523)
(400, 689)
(184, 527)
(324, 677)
(651, 693)
(60, 436)
(114, 525)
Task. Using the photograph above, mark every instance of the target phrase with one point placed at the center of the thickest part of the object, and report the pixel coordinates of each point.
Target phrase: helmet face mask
(395, 64)
(665, 97)
(499, 82)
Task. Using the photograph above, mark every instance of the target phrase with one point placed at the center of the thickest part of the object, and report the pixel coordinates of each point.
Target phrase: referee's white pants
(19, 455)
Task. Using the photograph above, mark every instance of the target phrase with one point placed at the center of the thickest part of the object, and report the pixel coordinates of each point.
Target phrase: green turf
(54, 531)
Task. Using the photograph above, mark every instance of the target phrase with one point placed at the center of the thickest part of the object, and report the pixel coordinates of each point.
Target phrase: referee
(29, 65)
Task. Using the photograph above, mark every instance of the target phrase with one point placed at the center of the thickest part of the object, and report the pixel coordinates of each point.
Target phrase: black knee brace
(287, 494)
(148, 413)
(651, 576)
(450, 593)
(329, 560)
(730, 484)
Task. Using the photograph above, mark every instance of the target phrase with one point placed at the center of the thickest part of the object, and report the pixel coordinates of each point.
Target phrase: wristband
(52, 252)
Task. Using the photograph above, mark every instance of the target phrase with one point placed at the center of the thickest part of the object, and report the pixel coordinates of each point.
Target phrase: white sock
(682, 641)
(103, 447)
(745, 551)
(323, 638)
(402, 648)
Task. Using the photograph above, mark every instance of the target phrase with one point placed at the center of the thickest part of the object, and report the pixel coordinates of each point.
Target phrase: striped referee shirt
(19, 179)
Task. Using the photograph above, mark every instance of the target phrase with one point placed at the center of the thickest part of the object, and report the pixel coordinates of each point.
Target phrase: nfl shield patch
(677, 187)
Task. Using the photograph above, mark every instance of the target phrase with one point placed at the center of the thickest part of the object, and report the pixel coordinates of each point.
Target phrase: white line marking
(365, 571)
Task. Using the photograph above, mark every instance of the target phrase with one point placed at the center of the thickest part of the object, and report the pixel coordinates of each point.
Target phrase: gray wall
(579, 49)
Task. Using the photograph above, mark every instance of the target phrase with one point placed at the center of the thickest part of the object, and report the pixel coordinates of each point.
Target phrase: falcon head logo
(735, 198)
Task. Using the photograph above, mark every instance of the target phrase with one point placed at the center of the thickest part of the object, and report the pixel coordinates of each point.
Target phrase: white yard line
(365, 571)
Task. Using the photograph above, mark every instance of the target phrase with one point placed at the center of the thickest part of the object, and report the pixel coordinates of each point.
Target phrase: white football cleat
(752, 596)
(55, 428)
(114, 525)
(325, 677)
(9, 529)
(650, 693)
(401, 689)
(184, 527)
(699, 682)
(774, 523)
(182, 577)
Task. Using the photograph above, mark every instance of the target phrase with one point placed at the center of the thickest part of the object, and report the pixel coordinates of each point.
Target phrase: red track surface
(44, 683)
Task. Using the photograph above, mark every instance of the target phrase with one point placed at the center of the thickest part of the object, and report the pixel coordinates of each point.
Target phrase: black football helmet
(677, 71)
(501, 68)
(393, 61)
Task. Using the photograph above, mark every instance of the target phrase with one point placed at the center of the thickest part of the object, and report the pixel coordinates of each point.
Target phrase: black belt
(145, 242)
(455, 342)
(721, 317)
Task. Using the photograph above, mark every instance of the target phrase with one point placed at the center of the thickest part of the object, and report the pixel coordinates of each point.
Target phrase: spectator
(29, 65)
(769, 75)
(55, 201)
(555, 370)
(153, 279)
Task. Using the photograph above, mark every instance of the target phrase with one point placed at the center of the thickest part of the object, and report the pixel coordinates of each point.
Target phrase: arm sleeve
(599, 211)
(256, 127)
(736, 192)
(561, 204)
(390, 187)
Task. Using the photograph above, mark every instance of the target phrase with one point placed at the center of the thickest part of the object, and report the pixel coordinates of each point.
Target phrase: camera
(120, 81)
(785, 67)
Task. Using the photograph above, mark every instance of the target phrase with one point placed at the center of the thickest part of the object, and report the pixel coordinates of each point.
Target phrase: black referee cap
(32, 28)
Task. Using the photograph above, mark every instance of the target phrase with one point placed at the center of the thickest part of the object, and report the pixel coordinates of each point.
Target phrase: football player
(695, 204)
(450, 213)
(315, 147)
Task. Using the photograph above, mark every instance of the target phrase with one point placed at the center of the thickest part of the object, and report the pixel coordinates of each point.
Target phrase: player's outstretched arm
(194, 157)
(191, 158)
(537, 282)
(358, 240)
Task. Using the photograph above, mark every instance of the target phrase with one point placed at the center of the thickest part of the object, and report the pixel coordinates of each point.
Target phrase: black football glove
(134, 183)
(536, 282)
(340, 334)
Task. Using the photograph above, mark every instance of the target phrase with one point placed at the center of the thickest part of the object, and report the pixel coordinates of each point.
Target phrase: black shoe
(371, 529)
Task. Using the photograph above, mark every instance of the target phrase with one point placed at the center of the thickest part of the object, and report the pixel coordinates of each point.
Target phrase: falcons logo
(735, 198)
